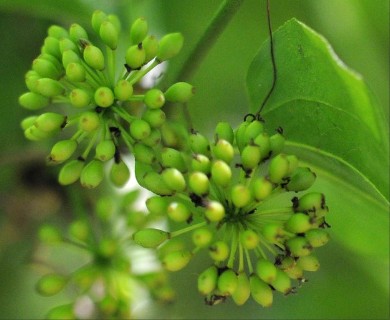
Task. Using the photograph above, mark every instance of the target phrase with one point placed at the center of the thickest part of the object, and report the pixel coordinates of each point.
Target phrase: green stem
(188, 229)
(141, 73)
(111, 65)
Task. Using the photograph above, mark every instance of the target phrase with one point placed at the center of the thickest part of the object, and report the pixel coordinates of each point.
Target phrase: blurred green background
(352, 283)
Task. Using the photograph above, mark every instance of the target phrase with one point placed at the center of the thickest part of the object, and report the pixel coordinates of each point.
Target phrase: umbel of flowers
(104, 275)
(103, 107)
(244, 201)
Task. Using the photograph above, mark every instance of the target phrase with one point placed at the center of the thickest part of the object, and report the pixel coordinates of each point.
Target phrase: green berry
(150, 238)
(104, 97)
(273, 232)
(313, 203)
(169, 46)
(109, 34)
(249, 239)
(34, 134)
(135, 57)
(214, 211)
(94, 57)
(80, 230)
(50, 122)
(202, 237)
(57, 32)
(177, 260)
(61, 312)
(79, 98)
(123, 90)
(255, 128)
(282, 282)
(49, 234)
(51, 46)
(107, 248)
(178, 212)
(92, 174)
(261, 188)
(98, 17)
(276, 143)
(77, 32)
(153, 139)
(67, 44)
(89, 121)
(278, 168)
(28, 122)
(309, 263)
(219, 251)
(75, 72)
(263, 142)
(49, 87)
(138, 30)
(294, 272)
(298, 223)
(221, 173)
(250, 157)
(174, 179)
(240, 195)
(317, 237)
(139, 129)
(207, 280)
(180, 92)
(260, 291)
(33, 101)
(69, 56)
(144, 154)
(155, 183)
(299, 246)
(54, 60)
(292, 163)
(266, 270)
(154, 98)
(150, 44)
(62, 150)
(51, 284)
(119, 174)
(105, 208)
(200, 163)
(45, 68)
(223, 150)
(70, 172)
(155, 117)
(199, 144)
(31, 78)
(171, 158)
(243, 291)
(105, 150)
(157, 205)
(227, 282)
(171, 246)
(199, 183)
(224, 131)
(240, 135)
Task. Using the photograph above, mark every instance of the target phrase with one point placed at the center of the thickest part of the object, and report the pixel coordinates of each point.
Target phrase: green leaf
(323, 107)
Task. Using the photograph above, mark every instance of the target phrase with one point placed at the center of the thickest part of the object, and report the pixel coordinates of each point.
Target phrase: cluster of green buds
(240, 198)
(105, 276)
(106, 107)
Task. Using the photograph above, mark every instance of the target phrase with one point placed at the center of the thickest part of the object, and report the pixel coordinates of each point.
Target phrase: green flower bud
(219, 251)
(224, 131)
(105, 150)
(144, 154)
(169, 46)
(266, 270)
(154, 98)
(317, 237)
(243, 291)
(249, 239)
(221, 173)
(31, 78)
(92, 174)
(302, 179)
(75, 72)
(153, 139)
(255, 128)
(263, 142)
(199, 144)
(50, 122)
(180, 92)
(298, 223)
(207, 280)
(202, 237)
(227, 282)
(273, 232)
(49, 234)
(70, 172)
(94, 57)
(89, 121)
(79, 98)
(150, 44)
(292, 163)
(119, 174)
(174, 179)
(250, 157)
(69, 56)
(28, 122)
(200, 163)
(260, 291)
(278, 168)
(155, 117)
(135, 57)
(46, 69)
(313, 202)
(171, 246)
(33, 101)
(49, 87)
(240, 135)
(54, 60)
(177, 260)
(240, 195)
(123, 90)
(199, 183)
(294, 272)
(139, 129)
(79, 230)
(223, 150)
(282, 282)
(138, 30)
(261, 188)
(299, 246)
(61, 312)
(62, 150)
(157, 205)
(155, 183)
(286, 262)
(178, 212)
(109, 34)
(277, 143)
(52, 46)
(67, 44)
(171, 158)
(309, 263)
(104, 97)
(98, 17)
(77, 32)
(57, 32)
(50, 284)
(150, 238)
(35, 134)
(214, 211)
